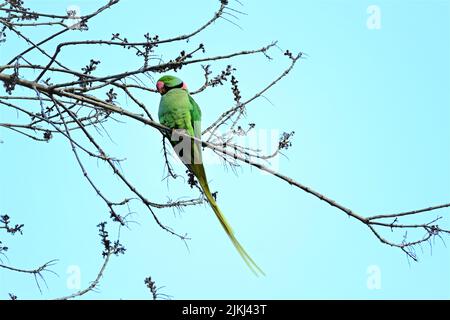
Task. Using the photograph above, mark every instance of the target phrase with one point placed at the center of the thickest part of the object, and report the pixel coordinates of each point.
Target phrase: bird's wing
(196, 118)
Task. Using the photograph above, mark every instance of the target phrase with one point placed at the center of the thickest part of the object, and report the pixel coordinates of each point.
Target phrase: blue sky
(371, 112)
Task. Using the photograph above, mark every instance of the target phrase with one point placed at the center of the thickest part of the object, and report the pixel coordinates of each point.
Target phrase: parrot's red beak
(160, 87)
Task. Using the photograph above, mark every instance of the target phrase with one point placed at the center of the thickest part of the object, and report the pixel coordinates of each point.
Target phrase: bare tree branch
(77, 104)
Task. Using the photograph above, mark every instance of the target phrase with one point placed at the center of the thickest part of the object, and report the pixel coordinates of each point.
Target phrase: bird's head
(167, 82)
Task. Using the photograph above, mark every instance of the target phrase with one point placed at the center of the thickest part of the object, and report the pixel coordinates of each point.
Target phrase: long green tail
(199, 172)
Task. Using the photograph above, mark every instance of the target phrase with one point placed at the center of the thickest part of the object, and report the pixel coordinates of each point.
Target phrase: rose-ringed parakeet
(178, 110)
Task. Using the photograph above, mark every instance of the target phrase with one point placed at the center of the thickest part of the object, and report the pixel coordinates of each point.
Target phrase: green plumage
(178, 110)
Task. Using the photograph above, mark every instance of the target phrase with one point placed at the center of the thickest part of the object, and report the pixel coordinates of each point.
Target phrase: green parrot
(178, 110)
